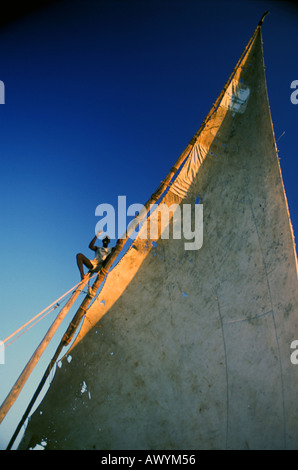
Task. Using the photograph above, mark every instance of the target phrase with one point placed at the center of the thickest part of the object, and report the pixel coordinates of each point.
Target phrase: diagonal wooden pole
(16, 389)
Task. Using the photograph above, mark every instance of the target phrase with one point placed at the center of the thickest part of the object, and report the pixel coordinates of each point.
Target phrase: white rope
(54, 304)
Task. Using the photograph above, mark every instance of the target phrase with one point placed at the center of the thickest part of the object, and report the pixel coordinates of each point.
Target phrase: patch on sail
(236, 97)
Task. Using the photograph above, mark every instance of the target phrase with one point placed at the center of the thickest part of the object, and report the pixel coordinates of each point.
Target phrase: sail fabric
(190, 349)
(236, 97)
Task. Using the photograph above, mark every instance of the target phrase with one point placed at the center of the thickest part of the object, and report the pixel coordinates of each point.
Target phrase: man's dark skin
(83, 260)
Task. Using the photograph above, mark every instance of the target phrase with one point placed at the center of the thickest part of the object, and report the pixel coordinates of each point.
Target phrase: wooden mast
(15, 391)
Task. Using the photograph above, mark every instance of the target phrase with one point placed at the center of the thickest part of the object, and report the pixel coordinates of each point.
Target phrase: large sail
(190, 349)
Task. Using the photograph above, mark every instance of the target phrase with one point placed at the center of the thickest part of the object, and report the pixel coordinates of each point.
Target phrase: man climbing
(101, 253)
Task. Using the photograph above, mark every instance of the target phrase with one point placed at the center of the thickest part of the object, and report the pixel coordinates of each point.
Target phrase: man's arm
(91, 244)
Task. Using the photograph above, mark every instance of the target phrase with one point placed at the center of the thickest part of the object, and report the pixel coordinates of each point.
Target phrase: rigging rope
(29, 327)
(54, 305)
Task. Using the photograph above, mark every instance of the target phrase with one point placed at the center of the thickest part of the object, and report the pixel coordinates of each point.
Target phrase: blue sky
(101, 97)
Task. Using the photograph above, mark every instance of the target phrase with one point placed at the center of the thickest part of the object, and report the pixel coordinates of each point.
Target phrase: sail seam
(226, 364)
(274, 323)
(243, 320)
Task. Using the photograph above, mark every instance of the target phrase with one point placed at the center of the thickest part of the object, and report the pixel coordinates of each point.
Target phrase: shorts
(96, 265)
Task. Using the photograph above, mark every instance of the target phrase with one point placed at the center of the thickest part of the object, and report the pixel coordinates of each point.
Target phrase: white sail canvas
(191, 349)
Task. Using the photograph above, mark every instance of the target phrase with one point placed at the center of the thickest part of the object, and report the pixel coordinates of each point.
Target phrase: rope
(54, 304)
(31, 326)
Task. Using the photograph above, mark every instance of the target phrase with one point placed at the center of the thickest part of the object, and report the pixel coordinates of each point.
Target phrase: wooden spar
(15, 391)
(80, 312)
(155, 196)
(83, 307)
(263, 17)
(110, 260)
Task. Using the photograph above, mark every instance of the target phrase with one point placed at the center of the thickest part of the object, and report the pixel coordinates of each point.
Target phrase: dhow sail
(190, 349)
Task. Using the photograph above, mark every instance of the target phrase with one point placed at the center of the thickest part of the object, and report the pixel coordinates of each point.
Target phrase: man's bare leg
(83, 260)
